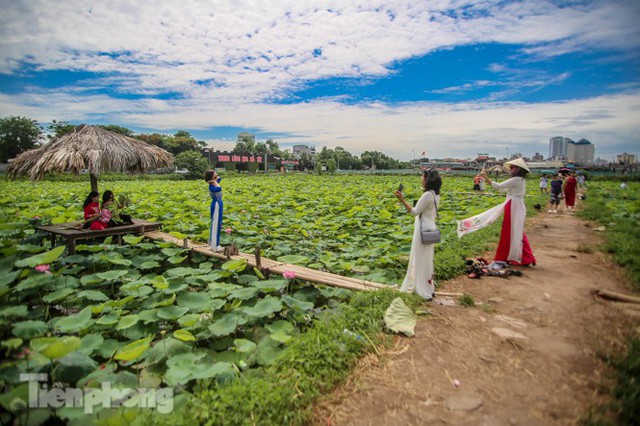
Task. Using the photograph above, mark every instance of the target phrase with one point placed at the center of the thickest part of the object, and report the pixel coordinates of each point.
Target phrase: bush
(194, 162)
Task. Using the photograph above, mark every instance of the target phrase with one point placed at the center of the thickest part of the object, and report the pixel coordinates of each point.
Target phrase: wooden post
(185, 243)
(94, 182)
(258, 259)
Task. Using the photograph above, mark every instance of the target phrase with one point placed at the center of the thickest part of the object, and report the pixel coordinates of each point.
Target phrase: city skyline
(451, 78)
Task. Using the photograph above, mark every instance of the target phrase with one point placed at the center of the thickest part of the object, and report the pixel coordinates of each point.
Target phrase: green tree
(60, 128)
(118, 129)
(182, 141)
(154, 139)
(246, 144)
(193, 161)
(18, 134)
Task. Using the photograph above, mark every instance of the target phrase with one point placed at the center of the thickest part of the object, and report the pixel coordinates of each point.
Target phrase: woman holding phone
(420, 276)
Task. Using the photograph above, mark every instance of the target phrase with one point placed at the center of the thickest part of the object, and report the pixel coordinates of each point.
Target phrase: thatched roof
(92, 148)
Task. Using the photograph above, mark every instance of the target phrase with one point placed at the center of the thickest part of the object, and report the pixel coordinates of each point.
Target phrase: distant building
(298, 150)
(625, 158)
(537, 157)
(558, 147)
(581, 152)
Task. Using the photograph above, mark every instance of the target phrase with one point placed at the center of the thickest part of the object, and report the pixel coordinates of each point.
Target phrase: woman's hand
(399, 195)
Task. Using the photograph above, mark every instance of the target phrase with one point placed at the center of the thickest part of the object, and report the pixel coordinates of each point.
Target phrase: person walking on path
(513, 247)
(420, 273)
(570, 186)
(556, 194)
(543, 184)
(215, 191)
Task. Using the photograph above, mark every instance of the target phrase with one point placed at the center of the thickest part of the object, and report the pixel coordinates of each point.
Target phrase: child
(543, 184)
(92, 212)
(556, 194)
(111, 211)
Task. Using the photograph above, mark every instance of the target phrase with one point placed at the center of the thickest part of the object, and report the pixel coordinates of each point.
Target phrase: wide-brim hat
(518, 162)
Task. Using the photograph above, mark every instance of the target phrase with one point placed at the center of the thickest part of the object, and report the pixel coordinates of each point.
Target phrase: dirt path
(549, 376)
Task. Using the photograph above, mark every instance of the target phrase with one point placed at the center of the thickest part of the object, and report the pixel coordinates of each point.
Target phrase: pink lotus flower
(289, 275)
(244, 211)
(43, 268)
(228, 230)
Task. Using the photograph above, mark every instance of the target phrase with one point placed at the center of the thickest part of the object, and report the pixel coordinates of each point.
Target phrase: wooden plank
(301, 272)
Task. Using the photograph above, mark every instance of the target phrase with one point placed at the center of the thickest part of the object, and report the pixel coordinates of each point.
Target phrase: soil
(458, 370)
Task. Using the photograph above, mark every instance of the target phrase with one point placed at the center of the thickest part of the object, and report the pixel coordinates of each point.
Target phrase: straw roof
(92, 148)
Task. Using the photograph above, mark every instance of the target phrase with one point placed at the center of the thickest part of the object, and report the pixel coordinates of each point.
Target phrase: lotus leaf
(36, 281)
(160, 282)
(184, 335)
(237, 265)
(133, 350)
(269, 286)
(109, 319)
(172, 312)
(221, 289)
(264, 307)
(399, 318)
(41, 259)
(93, 295)
(165, 348)
(244, 346)
(126, 322)
(151, 264)
(75, 323)
(268, 351)
(55, 347)
(90, 343)
(57, 295)
(108, 348)
(8, 277)
(73, 366)
(296, 303)
(294, 258)
(168, 301)
(133, 240)
(13, 343)
(195, 301)
(225, 325)
(244, 293)
(19, 311)
(112, 275)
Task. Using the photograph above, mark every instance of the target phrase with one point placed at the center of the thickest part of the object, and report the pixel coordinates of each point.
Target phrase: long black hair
(521, 172)
(89, 197)
(434, 181)
(106, 196)
(208, 175)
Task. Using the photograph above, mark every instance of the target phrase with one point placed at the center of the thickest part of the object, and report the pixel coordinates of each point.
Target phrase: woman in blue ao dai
(215, 191)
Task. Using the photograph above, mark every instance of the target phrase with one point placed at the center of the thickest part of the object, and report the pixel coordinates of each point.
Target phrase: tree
(193, 161)
(60, 128)
(245, 144)
(18, 134)
(154, 139)
(118, 129)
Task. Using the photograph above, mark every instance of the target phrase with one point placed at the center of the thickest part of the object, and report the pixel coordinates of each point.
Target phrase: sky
(450, 78)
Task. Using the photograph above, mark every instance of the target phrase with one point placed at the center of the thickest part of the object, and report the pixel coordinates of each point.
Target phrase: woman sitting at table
(112, 211)
(92, 212)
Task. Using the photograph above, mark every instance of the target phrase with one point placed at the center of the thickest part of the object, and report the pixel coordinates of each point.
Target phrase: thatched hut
(90, 148)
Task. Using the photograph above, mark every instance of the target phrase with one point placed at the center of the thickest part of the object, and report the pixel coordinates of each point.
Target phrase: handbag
(430, 236)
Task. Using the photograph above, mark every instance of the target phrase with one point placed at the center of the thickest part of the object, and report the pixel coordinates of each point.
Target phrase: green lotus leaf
(91, 279)
(184, 335)
(269, 286)
(75, 323)
(226, 325)
(189, 320)
(126, 322)
(264, 307)
(236, 265)
(172, 312)
(244, 346)
(8, 277)
(19, 311)
(57, 295)
(151, 264)
(35, 281)
(109, 319)
(55, 347)
(173, 251)
(93, 295)
(13, 343)
(268, 351)
(112, 275)
(160, 282)
(42, 258)
(90, 343)
(399, 318)
(133, 240)
(29, 329)
(108, 348)
(244, 293)
(296, 303)
(133, 350)
(221, 289)
(74, 366)
(165, 348)
(168, 301)
(148, 315)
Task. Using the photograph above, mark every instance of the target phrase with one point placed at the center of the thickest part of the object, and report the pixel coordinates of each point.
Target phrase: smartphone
(400, 188)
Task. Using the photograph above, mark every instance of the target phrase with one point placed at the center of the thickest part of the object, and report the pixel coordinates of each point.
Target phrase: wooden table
(73, 231)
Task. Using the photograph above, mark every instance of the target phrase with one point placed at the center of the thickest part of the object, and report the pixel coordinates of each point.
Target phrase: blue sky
(447, 77)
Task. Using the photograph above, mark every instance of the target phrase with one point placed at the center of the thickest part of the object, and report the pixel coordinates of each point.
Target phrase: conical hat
(518, 162)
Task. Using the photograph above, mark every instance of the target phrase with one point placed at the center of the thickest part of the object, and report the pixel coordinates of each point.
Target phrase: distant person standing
(623, 185)
(570, 187)
(556, 194)
(477, 183)
(215, 191)
(543, 184)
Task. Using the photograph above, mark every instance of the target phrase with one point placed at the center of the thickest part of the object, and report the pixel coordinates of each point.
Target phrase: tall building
(582, 152)
(558, 147)
(625, 158)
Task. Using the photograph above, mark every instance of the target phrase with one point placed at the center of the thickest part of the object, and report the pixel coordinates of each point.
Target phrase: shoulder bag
(430, 236)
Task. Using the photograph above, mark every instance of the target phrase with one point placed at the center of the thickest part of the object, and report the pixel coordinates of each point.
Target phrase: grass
(619, 211)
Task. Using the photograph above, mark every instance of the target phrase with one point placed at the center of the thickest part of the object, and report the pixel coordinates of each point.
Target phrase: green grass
(619, 211)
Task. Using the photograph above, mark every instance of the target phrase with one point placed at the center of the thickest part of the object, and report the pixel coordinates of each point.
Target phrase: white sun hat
(518, 162)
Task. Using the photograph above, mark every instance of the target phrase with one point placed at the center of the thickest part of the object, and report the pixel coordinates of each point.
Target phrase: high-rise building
(582, 152)
(558, 147)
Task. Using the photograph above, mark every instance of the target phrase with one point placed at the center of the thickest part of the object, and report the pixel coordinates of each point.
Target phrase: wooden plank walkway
(273, 266)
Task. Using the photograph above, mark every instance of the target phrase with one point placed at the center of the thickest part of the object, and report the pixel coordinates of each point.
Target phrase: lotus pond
(151, 315)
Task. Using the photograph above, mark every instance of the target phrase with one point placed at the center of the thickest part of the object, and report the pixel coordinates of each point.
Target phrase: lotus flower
(289, 275)
(43, 268)
(228, 230)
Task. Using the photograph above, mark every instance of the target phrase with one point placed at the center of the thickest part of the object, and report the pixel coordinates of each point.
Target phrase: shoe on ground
(555, 211)
(550, 211)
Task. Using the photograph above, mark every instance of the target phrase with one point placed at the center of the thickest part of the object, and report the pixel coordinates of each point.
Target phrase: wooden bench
(73, 231)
